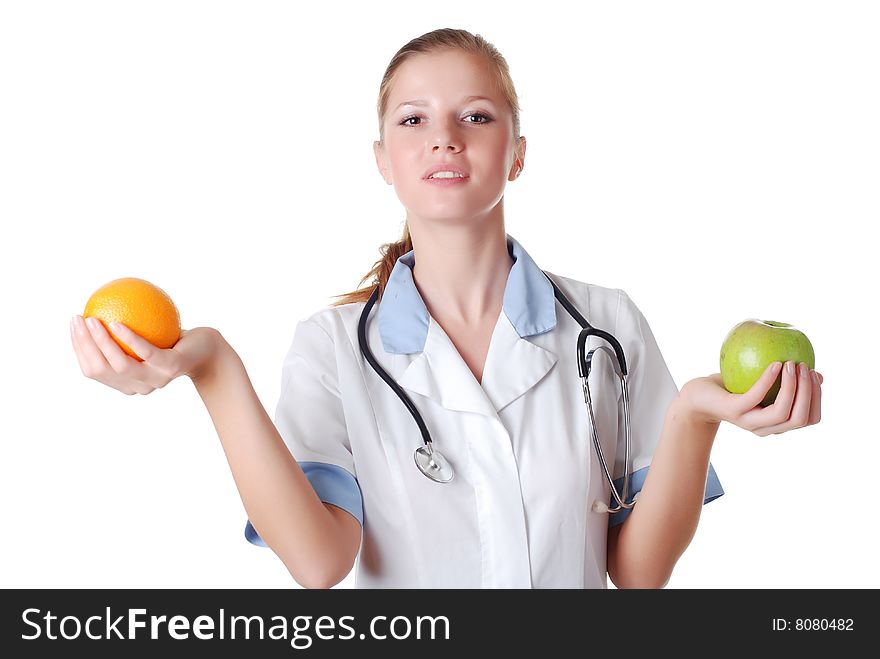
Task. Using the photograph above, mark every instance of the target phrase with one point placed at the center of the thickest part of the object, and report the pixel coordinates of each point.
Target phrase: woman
(468, 325)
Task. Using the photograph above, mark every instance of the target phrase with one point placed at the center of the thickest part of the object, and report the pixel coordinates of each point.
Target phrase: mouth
(447, 182)
(447, 178)
(447, 174)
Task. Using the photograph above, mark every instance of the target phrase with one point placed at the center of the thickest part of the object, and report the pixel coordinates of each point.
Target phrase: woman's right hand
(100, 357)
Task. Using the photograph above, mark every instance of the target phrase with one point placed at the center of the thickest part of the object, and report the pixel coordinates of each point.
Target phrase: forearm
(663, 522)
(279, 500)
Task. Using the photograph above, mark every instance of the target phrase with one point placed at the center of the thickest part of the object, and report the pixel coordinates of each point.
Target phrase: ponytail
(380, 272)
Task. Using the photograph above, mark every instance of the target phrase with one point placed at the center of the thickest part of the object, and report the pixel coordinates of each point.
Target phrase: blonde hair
(432, 42)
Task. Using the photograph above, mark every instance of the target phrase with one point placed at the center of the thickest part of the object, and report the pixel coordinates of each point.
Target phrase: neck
(461, 270)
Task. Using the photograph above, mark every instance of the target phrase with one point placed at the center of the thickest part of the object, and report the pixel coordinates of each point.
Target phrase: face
(431, 121)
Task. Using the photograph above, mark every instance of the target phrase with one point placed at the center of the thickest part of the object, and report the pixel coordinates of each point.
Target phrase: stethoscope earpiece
(602, 507)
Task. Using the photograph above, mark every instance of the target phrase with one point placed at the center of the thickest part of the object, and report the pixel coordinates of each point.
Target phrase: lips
(447, 182)
(446, 167)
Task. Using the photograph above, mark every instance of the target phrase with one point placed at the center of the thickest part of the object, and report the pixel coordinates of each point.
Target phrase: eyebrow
(467, 99)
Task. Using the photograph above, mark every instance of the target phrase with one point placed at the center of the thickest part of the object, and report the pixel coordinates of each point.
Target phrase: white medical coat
(518, 513)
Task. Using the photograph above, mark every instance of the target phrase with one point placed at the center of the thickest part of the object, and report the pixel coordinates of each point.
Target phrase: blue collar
(529, 303)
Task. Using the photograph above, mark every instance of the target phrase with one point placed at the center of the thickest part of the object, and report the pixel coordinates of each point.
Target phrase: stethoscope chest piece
(433, 465)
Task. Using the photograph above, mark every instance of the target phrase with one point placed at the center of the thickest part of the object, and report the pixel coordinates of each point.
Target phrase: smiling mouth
(446, 175)
(447, 182)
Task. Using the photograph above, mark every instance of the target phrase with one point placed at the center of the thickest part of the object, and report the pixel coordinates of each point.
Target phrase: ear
(380, 162)
(519, 160)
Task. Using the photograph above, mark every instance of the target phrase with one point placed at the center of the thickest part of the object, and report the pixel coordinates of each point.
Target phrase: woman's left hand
(798, 403)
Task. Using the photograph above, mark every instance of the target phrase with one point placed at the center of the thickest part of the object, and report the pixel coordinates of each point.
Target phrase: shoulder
(614, 310)
(599, 301)
(330, 317)
(324, 339)
(330, 325)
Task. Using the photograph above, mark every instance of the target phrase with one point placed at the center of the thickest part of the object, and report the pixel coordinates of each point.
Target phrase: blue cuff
(637, 481)
(333, 485)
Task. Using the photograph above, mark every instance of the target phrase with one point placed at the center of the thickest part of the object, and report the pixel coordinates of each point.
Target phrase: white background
(718, 161)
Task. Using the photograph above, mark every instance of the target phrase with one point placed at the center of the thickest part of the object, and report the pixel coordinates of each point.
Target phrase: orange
(139, 305)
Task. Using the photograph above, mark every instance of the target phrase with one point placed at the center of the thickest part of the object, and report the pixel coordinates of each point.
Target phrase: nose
(445, 138)
(449, 145)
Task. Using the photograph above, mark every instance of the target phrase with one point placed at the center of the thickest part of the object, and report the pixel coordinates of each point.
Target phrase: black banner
(48, 623)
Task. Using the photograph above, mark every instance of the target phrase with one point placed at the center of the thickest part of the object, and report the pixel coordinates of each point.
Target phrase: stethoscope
(436, 467)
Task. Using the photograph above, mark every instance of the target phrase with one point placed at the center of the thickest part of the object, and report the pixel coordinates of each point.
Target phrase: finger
(816, 400)
(752, 398)
(142, 388)
(800, 411)
(118, 360)
(91, 361)
(799, 414)
(780, 410)
(139, 345)
(79, 356)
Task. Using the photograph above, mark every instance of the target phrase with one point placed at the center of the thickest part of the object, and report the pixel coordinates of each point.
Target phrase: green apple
(752, 345)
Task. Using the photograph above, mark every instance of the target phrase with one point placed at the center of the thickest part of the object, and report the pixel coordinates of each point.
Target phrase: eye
(485, 119)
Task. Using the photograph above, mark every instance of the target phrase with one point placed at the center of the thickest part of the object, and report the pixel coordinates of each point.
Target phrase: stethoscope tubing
(365, 349)
(584, 366)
